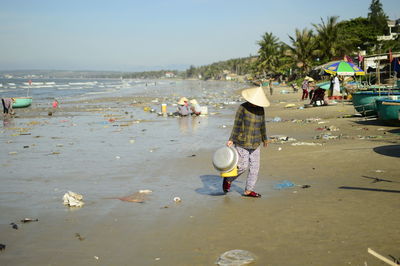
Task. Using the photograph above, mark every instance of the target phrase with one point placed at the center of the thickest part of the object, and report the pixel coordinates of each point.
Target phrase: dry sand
(352, 203)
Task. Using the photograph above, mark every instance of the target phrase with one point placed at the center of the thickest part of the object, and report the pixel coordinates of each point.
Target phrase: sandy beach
(345, 198)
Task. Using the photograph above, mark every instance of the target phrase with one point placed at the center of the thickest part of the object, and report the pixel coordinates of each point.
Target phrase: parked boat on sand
(364, 101)
(21, 102)
(389, 109)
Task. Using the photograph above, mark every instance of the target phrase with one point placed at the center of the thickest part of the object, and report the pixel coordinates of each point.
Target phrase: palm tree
(268, 54)
(330, 44)
(377, 17)
(303, 48)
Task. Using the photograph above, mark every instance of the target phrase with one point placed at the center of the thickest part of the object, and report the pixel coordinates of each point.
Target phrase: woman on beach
(305, 88)
(336, 86)
(7, 106)
(183, 107)
(248, 133)
(195, 107)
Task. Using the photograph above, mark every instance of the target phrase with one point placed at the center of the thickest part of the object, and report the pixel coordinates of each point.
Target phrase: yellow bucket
(233, 172)
(163, 108)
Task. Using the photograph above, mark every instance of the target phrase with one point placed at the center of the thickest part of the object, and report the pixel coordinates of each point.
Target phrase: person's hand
(229, 143)
(265, 143)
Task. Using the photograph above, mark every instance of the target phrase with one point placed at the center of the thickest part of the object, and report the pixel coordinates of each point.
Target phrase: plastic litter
(138, 197)
(177, 199)
(306, 144)
(28, 220)
(73, 199)
(14, 226)
(236, 257)
(277, 119)
(284, 184)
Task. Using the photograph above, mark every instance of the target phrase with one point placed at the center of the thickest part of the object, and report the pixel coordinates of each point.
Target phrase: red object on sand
(55, 104)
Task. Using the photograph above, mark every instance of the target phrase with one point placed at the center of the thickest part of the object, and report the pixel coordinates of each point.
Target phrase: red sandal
(253, 194)
(226, 185)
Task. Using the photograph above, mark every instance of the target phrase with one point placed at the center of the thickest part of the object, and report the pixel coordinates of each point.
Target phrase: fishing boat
(21, 102)
(389, 109)
(365, 101)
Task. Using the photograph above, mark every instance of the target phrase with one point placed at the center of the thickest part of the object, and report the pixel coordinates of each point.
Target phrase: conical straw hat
(256, 96)
(182, 100)
(194, 101)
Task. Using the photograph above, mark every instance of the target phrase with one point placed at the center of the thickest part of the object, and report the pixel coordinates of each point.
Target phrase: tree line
(328, 40)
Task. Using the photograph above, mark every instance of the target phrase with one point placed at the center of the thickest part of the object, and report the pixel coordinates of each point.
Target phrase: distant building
(170, 75)
(231, 77)
(392, 35)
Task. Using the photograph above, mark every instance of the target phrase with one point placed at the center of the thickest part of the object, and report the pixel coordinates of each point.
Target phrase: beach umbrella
(343, 68)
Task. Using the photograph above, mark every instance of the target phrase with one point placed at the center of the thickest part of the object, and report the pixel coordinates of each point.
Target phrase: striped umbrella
(343, 68)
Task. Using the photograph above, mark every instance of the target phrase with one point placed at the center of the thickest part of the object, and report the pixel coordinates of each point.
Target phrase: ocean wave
(83, 83)
(71, 88)
(99, 92)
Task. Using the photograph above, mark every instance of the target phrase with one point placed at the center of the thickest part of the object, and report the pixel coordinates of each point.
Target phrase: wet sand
(109, 150)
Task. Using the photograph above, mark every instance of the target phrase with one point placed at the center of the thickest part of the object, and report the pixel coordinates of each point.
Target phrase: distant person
(305, 88)
(336, 86)
(311, 89)
(55, 103)
(195, 107)
(183, 107)
(294, 87)
(7, 106)
(271, 89)
(318, 97)
(248, 133)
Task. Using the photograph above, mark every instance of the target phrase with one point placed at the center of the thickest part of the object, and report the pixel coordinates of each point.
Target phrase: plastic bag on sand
(236, 257)
(73, 199)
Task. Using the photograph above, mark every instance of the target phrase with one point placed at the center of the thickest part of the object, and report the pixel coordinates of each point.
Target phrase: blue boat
(389, 110)
(365, 101)
(21, 102)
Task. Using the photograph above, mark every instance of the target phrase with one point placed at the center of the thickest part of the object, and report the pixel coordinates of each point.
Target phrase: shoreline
(332, 222)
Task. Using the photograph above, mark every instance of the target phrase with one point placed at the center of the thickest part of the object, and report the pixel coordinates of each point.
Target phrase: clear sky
(140, 35)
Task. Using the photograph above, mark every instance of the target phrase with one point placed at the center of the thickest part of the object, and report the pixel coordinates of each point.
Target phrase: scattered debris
(137, 197)
(236, 257)
(326, 136)
(281, 138)
(290, 105)
(306, 144)
(73, 199)
(14, 226)
(382, 258)
(277, 119)
(284, 184)
(177, 199)
(28, 220)
(77, 235)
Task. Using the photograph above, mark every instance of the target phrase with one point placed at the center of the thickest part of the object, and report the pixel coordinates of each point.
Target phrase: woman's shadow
(212, 186)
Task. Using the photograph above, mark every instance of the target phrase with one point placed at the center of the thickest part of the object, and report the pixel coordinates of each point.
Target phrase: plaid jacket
(249, 127)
